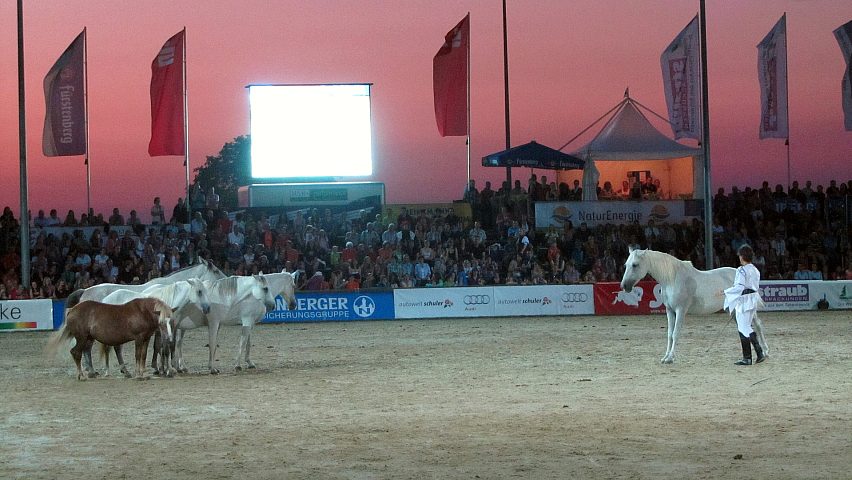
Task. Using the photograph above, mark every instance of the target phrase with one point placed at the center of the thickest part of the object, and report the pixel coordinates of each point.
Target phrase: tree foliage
(227, 171)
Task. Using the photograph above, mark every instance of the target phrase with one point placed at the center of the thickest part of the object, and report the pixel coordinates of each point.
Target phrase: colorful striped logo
(18, 325)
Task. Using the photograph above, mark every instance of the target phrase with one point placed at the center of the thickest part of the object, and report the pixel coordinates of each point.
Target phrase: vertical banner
(449, 81)
(65, 104)
(844, 37)
(167, 115)
(680, 62)
(772, 74)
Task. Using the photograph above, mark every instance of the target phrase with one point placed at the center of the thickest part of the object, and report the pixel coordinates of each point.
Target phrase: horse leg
(670, 317)
(141, 355)
(87, 363)
(77, 354)
(178, 355)
(758, 328)
(172, 370)
(249, 363)
(122, 366)
(680, 313)
(158, 344)
(244, 333)
(212, 338)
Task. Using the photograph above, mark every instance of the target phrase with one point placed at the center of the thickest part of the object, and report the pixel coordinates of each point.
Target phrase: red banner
(167, 115)
(644, 299)
(449, 80)
(65, 104)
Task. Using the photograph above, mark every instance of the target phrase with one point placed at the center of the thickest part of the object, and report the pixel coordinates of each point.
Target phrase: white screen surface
(310, 131)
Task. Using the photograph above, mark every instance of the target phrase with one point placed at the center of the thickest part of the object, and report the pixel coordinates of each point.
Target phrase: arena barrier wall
(334, 307)
(23, 315)
(458, 302)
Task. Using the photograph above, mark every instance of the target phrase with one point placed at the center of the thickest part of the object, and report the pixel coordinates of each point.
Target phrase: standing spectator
(179, 212)
(212, 199)
(197, 199)
(157, 214)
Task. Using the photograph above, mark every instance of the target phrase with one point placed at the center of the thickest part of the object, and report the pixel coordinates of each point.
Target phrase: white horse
(203, 270)
(176, 295)
(234, 300)
(685, 289)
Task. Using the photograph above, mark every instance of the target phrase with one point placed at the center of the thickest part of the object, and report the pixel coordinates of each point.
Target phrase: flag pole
(506, 97)
(86, 103)
(705, 144)
(22, 148)
(468, 103)
(787, 102)
(186, 131)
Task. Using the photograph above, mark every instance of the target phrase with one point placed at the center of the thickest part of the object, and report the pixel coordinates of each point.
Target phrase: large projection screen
(310, 132)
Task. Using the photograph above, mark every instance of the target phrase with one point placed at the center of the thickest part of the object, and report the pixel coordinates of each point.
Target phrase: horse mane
(663, 267)
(227, 287)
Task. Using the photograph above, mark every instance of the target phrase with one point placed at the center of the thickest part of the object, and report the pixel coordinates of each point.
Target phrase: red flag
(167, 115)
(449, 79)
(65, 104)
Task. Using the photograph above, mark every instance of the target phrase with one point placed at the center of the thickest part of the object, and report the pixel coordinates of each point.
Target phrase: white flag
(844, 37)
(681, 65)
(772, 74)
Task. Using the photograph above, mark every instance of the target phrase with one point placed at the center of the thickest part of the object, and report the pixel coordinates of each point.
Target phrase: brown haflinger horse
(113, 325)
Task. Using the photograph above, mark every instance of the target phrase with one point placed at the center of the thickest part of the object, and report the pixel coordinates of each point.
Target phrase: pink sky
(569, 63)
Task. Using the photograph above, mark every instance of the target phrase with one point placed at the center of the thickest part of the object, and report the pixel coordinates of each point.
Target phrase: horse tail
(74, 298)
(57, 339)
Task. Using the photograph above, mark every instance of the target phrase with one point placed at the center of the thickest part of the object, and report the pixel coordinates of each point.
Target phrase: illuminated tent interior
(629, 145)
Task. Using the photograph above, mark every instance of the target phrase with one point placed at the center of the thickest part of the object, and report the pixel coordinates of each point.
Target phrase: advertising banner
(527, 301)
(334, 307)
(838, 294)
(644, 299)
(593, 214)
(22, 315)
(785, 295)
(444, 302)
(544, 300)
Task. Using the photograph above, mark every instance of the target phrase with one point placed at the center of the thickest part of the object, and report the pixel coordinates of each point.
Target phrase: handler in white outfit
(743, 299)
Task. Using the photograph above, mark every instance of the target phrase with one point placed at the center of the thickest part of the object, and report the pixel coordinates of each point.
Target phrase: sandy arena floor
(571, 397)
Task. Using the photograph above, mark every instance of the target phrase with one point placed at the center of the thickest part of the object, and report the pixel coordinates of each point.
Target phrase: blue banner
(334, 307)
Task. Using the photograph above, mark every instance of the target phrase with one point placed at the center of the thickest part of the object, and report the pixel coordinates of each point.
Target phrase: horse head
(260, 290)
(283, 284)
(198, 294)
(635, 269)
(211, 272)
(165, 319)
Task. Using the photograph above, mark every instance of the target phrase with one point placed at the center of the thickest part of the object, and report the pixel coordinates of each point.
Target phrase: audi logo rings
(477, 299)
(575, 297)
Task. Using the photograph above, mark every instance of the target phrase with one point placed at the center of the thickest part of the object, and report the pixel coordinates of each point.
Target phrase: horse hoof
(251, 366)
(214, 371)
(93, 374)
(238, 368)
(171, 374)
(666, 360)
(81, 378)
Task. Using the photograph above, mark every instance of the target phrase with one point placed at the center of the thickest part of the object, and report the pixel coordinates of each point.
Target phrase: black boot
(759, 351)
(746, 344)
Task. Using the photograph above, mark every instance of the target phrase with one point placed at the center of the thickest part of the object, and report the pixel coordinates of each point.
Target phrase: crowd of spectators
(798, 233)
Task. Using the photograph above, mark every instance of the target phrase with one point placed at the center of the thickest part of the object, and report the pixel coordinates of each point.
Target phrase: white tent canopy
(628, 136)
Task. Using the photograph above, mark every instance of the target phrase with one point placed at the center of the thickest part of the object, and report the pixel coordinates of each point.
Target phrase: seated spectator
(116, 218)
(40, 221)
(70, 219)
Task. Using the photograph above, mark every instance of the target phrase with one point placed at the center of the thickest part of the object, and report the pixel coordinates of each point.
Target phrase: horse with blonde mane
(685, 289)
(112, 325)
